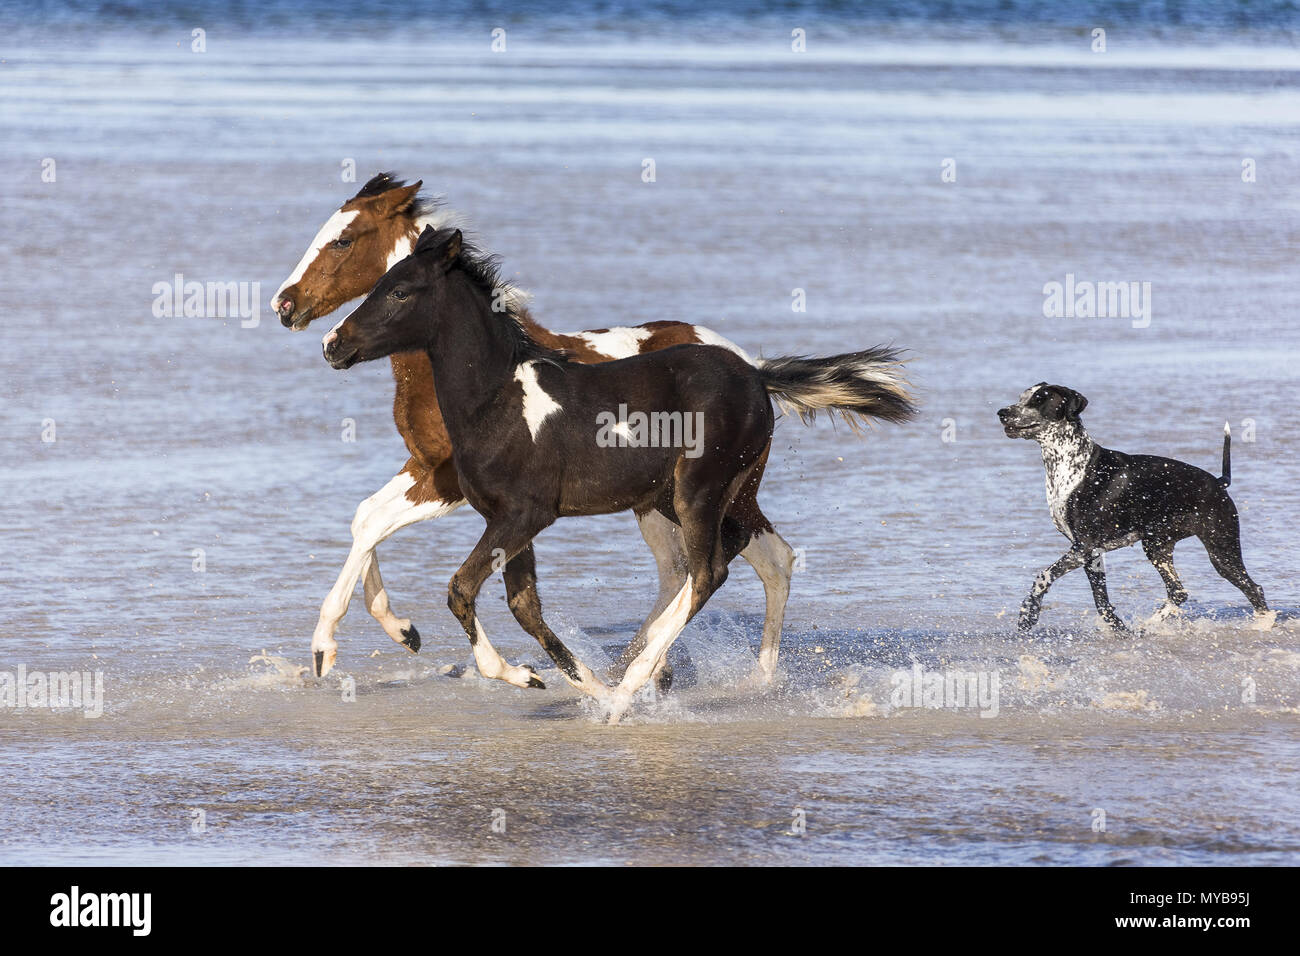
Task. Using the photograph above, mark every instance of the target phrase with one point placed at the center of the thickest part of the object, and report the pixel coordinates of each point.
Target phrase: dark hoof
(535, 681)
(665, 681)
(411, 638)
(319, 662)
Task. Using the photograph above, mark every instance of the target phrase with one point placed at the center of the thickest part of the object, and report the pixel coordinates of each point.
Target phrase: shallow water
(775, 171)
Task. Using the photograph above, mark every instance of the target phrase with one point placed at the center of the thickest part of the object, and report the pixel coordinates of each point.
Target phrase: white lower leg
(324, 648)
(399, 629)
(378, 517)
(377, 602)
(659, 637)
(665, 541)
(495, 667)
(773, 559)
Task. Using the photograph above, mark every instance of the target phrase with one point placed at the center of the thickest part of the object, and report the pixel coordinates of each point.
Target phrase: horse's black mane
(484, 271)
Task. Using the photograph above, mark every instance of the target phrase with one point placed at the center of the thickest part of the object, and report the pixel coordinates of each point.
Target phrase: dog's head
(1041, 410)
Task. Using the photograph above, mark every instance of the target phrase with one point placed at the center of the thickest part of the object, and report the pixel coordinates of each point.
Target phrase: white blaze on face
(537, 404)
(332, 229)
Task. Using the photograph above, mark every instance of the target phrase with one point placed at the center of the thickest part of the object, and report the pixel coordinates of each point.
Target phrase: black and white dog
(1102, 500)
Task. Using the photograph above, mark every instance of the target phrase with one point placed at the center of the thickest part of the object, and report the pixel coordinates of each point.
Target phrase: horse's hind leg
(526, 604)
(501, 536)
(665, 540)
(700, 506)
(772, 559)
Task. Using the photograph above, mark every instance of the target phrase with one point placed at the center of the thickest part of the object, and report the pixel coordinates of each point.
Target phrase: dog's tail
(1226, 478)
(859, 386)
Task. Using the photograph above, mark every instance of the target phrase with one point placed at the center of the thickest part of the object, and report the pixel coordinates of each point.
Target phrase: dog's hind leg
(526, 604)
(1032, 606)
(1096, 571)
(1160, 552)
(1223, 545)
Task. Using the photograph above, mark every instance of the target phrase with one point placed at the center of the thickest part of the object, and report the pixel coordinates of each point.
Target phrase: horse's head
(370, 232)
(400, 312)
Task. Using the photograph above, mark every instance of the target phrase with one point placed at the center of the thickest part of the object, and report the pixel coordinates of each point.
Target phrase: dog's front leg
(1033, 604)
(1096, 571)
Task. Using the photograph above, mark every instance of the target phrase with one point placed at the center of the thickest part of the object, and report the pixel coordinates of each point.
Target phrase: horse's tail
(859, 386)
(1226, 478)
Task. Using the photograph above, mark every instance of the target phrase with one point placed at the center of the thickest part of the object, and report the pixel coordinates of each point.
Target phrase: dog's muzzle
(1012, 425)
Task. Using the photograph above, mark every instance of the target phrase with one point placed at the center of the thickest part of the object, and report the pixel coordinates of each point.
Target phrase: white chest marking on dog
(538, 406)
(332, 229)
(1065, 458)
(615, 343)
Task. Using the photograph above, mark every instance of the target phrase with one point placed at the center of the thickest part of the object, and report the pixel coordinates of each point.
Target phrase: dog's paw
(1264, 620)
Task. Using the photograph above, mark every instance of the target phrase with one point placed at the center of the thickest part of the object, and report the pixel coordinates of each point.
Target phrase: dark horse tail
(1226, 478)
(859, 386)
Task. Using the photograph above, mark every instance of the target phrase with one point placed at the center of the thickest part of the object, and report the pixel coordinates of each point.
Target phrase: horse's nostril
(284, 306)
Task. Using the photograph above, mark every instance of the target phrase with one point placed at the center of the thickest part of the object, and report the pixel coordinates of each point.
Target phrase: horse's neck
(471, 356)
(540, 333)
(415, 409)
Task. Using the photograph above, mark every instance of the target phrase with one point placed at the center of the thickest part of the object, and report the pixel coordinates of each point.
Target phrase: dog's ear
(1074, 404)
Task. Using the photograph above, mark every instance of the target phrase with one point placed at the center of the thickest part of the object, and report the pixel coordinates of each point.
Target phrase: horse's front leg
(502, 538)
(526, 604)
(377, 518)
(400, 630)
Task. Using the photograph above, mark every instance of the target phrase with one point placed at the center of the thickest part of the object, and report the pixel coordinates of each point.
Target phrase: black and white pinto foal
(526, 430)
(1103, 499)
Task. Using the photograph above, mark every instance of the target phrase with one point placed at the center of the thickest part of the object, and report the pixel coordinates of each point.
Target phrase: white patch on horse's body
(1066, 454)
(332, 229)
(615, 343)
(538, 406)
(709, 337)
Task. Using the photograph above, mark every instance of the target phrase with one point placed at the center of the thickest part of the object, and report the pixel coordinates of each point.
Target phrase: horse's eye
(342, 243)
(398, 294)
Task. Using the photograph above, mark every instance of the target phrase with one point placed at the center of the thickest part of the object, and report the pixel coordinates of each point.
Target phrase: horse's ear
(398, 200)
(443, 247)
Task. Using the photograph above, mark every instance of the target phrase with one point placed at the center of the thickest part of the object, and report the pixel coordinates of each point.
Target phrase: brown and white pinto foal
(524, 420)
(368, 234)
